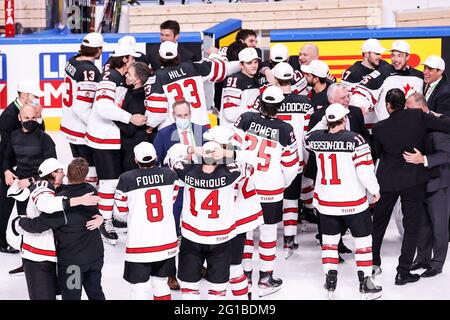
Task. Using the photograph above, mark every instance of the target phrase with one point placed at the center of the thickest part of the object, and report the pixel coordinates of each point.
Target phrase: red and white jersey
(146, 197)
(208, 214)
(41, 246)
(81, 78)
(272, 142)
(102, 132)
(248, 211)
(296, 110)
(238, 96)
(184, 81)
(345, 171)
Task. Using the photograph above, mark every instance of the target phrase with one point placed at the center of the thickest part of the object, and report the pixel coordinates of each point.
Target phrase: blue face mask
(35, 102)
(182, 124)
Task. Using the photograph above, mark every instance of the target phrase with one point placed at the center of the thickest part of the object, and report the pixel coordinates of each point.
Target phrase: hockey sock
(106, 191)
(140, 291)
(290, 217)
(217, 291)
(267, 246)
(91, 177)
(238, 282)
(307, 192)
(363, 255)
(248, 252)
(161, 290)
(190, 290)
(330, 255)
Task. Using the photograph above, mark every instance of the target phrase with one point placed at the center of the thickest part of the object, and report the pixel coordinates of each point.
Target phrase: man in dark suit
(403, 131)
(436, 86)
(433, 232)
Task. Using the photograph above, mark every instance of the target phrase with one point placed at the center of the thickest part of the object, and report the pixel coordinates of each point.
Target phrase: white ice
(302, 273)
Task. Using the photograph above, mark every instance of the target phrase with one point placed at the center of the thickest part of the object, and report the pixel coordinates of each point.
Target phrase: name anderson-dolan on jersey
(344, 171)
(146, 197)
(371, 92)
(273, 144)
(184, 81)
(102, 132)
(209, 201)
(81, 78)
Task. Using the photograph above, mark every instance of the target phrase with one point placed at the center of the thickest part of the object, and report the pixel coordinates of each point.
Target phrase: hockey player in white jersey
(38, 249)
(272, 142)
(145, 197)
(81, 79)
(295, 110)
(103, 135)
(182, 81)
(345, 174)
(241, 89)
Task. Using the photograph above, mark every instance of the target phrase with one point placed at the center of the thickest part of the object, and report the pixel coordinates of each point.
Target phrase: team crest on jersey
(374, 74)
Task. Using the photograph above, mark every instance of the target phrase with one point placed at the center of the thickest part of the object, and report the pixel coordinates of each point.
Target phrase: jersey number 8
(154, 205)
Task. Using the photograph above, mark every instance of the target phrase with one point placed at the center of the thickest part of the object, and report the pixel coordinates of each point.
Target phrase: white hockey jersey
(273, 144)
(146, 197)
(344, 171)
(208, 214)
(102, 132)
(81, 78)
(184, 81)
(248, 211)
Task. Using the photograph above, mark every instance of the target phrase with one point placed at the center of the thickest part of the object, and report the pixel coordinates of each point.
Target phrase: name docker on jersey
(176, 73)
(294, 107)
(264, 131)
(331, 145)
(206, 183)
(149, 180)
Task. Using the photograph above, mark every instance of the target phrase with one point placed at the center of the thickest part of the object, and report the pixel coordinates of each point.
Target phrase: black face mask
(30, 125)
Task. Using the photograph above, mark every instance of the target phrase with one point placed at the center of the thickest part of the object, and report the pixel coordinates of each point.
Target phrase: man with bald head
(26, 148)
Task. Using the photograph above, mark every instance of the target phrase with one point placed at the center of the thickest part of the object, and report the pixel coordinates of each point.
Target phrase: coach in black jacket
(436, 85)
(403, 131)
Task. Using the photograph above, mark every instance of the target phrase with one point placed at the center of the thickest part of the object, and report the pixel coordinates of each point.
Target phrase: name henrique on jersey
(81, 78)
(181, 82)
(102, 132)
(208, 214)
(238, 96)
(296, 110)
(371, 92)
(273, 145)
(146, 198)
(344, 171)
(41, 246)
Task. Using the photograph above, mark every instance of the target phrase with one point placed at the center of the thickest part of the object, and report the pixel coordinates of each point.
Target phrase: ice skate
(368, 289)
(267, 284)
(330, 283)
(108, 233)
(289, 246)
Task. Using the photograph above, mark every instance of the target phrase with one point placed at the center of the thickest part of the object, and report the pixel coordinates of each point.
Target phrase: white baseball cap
(283, 71)
(435, 62)
(247, 55)
(279, 53)
(335, 112)
(144, 152)
(93, 40)
(15, 192)
(372, 45)
(168, 50)
(127, 41)
(125, 50)
(401, 45)
(316, 67)
(48, 166)
(219, 134)
(32, 87)
(273, 94)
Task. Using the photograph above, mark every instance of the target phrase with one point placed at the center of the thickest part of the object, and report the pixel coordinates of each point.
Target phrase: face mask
(182, 124)
(30, 125)
(35, 102)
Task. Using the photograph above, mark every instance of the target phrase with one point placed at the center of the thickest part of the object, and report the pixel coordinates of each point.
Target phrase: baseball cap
(128, 41)
(279, 53)
(335, 112)
(211, 146)
(48, 166)
(93, 40)
(248, 54)
(435, 62)
(168, 50)
(372, 45)
(144, 152)
(219, 134)
(273, 94)
(15, 192)
(316, 67)
(400, 45)
(283, 71)
(125, 50)
(30, 87)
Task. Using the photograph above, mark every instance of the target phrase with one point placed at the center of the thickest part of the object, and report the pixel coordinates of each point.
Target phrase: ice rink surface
(302, 273)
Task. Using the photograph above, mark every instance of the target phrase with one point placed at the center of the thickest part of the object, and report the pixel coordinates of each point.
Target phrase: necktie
(185, 137)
